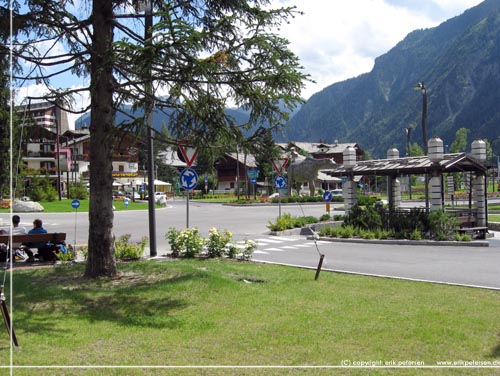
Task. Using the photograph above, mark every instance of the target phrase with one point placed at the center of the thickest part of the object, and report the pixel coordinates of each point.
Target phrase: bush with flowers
(217, 241)
(231, 250)
(248, 248)
(187, 243)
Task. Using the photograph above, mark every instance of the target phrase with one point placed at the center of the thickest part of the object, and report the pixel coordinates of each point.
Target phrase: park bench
(467, 224)
(51, 238)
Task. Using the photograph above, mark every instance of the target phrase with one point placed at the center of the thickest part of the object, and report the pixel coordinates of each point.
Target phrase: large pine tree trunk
(101, 260)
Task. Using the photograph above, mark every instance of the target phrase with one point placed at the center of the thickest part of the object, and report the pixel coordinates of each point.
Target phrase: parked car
(274, 195)
(159, 195)
(336, 192)
(118, 196)
(134, 195)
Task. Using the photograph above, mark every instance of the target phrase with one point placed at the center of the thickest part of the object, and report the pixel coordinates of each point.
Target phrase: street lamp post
(148, 34)
(408, 134)
(423, 90)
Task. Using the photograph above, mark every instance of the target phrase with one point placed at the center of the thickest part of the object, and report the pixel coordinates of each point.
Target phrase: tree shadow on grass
(134, 299)
(495, 353)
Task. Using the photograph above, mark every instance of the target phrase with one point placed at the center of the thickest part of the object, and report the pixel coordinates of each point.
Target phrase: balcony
(40, 154)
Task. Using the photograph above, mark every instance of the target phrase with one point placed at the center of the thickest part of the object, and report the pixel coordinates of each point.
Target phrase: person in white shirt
(16, 229)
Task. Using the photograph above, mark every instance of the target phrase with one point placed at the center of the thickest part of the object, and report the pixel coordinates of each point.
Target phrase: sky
(340, 39)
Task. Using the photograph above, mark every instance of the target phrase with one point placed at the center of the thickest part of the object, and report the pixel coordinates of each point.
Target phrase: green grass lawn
(64, 206)
(226, 313)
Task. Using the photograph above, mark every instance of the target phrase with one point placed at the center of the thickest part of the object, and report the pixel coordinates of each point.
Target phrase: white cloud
(340, 39)
(337, 40)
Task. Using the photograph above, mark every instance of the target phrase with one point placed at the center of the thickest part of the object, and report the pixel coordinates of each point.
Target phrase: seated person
(16, 229)
(45, 251)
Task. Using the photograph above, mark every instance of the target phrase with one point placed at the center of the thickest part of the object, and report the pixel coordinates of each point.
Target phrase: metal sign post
(253, 175)
(188, 177)
(280, 183)
(75, 204)
(327, 197)
(188, 180)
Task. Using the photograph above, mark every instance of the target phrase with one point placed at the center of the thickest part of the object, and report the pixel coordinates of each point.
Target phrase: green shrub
(41, 189)
(462, 237)
(366, 200)
(283, 222)
(70, 255)
(326, 230)
(248, 248)
(78, 191)
(367, 234)
(364, 218)
(383, 233)
(187, 243)
(348, 231)
(124, 250)
(286, 222)
(231, 250)
(303, 221)
(217, 241)
(442, 225)
(85, 252)
(416, 234)
(325, 217)
(404, 222)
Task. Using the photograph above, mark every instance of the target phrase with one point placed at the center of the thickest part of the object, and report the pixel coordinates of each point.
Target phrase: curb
(306, 231)
(474, 243)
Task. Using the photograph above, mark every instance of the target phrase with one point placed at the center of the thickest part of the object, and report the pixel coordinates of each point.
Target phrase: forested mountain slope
(459, 63)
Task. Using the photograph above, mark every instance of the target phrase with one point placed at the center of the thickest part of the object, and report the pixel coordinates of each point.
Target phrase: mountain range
(459, 64)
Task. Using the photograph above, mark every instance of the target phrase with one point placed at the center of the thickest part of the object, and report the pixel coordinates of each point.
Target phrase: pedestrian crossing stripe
(285, 239)
(269, 241)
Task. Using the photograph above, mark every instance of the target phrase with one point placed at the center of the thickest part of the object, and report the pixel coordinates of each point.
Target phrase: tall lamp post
(408, 134)
(148, 111)
(423, 90)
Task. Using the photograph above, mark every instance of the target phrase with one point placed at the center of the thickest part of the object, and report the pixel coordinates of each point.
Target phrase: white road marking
(268, 241)
(274, 249)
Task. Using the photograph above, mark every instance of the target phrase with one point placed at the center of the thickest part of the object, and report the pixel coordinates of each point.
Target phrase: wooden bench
(467, 225)
(55, 237)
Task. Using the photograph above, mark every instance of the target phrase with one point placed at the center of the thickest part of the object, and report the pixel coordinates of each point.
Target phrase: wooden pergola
(394, 167)
(455, 162)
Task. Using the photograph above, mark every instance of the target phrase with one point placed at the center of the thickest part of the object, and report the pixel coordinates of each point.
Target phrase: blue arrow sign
(327, 196)
(280, 182)
(75, 204)
(188, 179)
(253, 180)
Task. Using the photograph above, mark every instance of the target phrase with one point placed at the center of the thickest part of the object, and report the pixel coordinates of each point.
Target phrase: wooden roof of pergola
(455, 162)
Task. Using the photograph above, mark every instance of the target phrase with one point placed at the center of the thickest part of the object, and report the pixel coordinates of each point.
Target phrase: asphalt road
(461, 265)
(464, 265)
